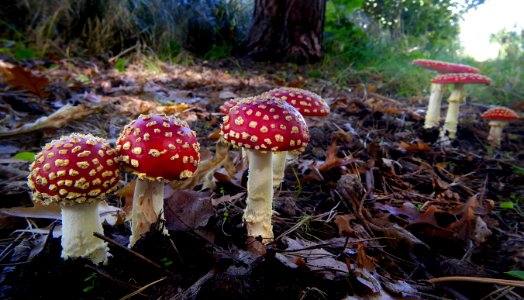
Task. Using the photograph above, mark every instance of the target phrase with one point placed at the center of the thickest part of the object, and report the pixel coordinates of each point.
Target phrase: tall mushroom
(433, 112)
(76, 171)
(308, 104)
(263, 125)
(498, 118)
(457, 96)
(158, 149)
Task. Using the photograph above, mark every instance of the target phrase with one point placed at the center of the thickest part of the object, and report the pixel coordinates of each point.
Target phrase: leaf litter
(373, 209)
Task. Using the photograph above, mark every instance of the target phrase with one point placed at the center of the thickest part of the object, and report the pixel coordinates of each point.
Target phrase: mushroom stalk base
(79, 222)
(279, 167)
(148, 208)
(450, 125)
(495, 133)
(259, 204)
(433, 112)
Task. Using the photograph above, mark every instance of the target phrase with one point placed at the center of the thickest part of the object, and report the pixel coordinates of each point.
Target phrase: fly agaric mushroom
(498, 118)
(263, 125)
(457, 95)
(157, 149)
(76, 172)
(433, 112)
(308, 104)
(224, 108)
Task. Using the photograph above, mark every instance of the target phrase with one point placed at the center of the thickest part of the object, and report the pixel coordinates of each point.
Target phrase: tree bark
(287, 30)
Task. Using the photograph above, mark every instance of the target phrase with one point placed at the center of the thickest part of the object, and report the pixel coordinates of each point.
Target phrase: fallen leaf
(227, 198)
(303, 253)
(59, 118)
(418, 146)
(227, 95)
(470, 226)
(19, 77)
(188, 210)
(343, 223)
(109, 214)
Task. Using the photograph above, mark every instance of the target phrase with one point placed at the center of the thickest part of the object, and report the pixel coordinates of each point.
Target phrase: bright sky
(488, 18)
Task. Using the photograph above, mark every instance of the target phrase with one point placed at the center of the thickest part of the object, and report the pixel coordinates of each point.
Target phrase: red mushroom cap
(74, 169)
(228, 105)
(461, 78)
(158, 147)
(265, 123)
(500, 113)
(307, 103)
(444, 67)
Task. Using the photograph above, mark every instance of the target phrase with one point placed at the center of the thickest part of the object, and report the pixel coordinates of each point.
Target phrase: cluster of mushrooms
(459, 75)
(80, 170)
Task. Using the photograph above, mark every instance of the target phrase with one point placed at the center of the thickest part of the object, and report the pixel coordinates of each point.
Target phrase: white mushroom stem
(148, 208)
(495, 132)
(259, 204)
(279, 167)
(79, 222)
(450, 125)
(433, 112)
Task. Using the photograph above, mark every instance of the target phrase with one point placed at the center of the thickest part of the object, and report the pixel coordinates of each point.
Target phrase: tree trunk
(287, 30)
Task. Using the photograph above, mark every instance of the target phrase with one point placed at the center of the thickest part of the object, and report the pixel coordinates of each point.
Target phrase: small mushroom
(76, 171)
(498, 118)
(457, 96)
(263, 125)
(308, 104)
(433, 113)
(157, 149)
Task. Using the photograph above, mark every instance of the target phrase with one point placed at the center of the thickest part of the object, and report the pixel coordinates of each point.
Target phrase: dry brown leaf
(343, 224)
(227, 198)
(332, 160)
(38, 211)
(227, 95)
(127, 192)
(109, 214)
(470, 226)
(19, 77)
(316, 259)
(188, 210)
(59, 118)
(418, 146)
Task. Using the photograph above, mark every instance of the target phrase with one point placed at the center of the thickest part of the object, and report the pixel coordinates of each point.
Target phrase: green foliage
(434, 23)
(506, 71)
(29, 156)
(516, 273)
(107, 27)
(91, 282)
(120, 64)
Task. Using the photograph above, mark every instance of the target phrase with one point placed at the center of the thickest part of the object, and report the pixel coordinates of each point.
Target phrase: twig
(143, 288)
(147, 260)
(384, 98)
(515, 283)
(106, 275)
(191, 292)
(126, 51)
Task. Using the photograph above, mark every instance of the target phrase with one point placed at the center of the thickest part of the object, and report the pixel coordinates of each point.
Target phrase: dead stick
(119, 282)
(515, 283)
(193, 290)
(147, 260)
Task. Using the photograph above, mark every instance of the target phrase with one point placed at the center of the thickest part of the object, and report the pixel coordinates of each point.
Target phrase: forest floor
(375, 208)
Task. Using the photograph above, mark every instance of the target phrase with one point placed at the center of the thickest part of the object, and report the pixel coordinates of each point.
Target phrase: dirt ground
(375, 207)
